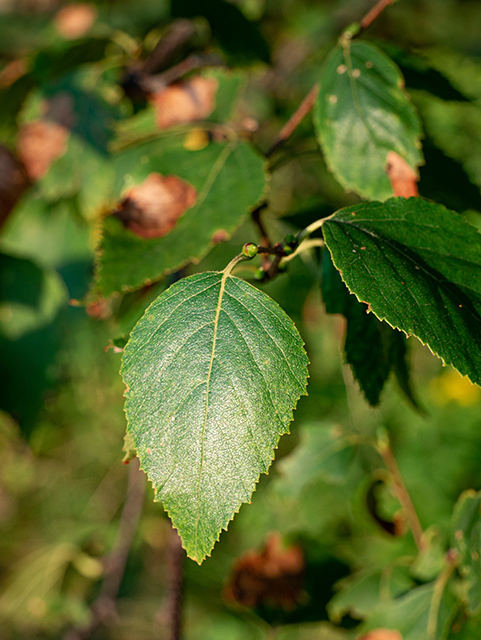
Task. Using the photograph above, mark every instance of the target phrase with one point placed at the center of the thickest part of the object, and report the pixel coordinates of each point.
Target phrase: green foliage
(362, 113)
(213, 371)
(138, 156)
(418, 267)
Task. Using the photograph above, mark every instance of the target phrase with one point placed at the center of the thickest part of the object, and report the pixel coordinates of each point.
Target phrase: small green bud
(288, 250)
(250, 250)
(290, 239)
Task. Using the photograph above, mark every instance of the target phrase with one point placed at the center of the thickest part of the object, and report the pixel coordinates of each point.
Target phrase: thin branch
(103, 609)
(179, 32)
(404, 498)
(374, 13)
(295, 120)
(176, 587)
(153, 84)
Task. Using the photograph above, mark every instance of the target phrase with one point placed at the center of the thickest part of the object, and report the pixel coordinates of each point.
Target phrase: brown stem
(265, 241)
(404, 498)
(171, 42)
(152, 84)
(176, 587)
(103, 609)
(374, 13)
(295, 120)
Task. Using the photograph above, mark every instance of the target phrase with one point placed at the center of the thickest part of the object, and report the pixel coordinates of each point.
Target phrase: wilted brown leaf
(43, 141)
(272, 577)
(382, 634)
(182, 102)
(13, 182)
(152, 208)
(75, 20)
(12, 72)
(402, 176)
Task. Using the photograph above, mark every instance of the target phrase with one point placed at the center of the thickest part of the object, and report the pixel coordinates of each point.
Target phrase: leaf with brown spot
(220, 236)
(271, 577)
(151, 210)
(229, 181)
(186, 101)
(41, 142)
(75, 20)
(402, 176)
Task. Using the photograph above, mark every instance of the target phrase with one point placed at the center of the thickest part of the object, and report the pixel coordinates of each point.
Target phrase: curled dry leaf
(382, 634)
(13, 182)
(152, 208)
(43, 141)
(186, 101)
(402, 176)
(272, 577)
(75, 20)
(12, 72)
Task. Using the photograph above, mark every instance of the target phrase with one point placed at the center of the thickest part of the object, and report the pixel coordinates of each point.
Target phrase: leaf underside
(418, 266)
(362, 112)
(213, 370)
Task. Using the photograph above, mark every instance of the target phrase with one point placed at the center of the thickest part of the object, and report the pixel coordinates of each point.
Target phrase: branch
(374, 13)
(295, 120)
(103, 609)
(404, 498)
(170, 613)
(169, 44)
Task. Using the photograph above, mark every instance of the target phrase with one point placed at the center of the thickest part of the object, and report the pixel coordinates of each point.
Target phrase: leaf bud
(249, 250)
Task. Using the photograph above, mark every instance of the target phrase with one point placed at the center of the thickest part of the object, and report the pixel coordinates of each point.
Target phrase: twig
(404, 498)
(169, 44)
(103, 609)
(176, 587)
(374, 13)
(295, 120)
(152, 84)
(438, 591)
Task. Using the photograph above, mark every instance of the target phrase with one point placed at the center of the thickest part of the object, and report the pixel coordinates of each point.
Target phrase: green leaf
(213, 371)
(30, 297)
(419, 615)
(467, 540)
(372, 348)
(360, 594)
(229, 180)
(362, 112)
(418, 266)
(322, 453)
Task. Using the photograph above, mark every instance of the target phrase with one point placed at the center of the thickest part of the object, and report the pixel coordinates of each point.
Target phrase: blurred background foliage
(62, 486)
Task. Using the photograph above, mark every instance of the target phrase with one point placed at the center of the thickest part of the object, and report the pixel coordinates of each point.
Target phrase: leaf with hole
(213, 371)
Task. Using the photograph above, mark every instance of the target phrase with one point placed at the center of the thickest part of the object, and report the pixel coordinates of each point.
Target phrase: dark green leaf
(213, 370)
(418, 266)
(372, 348)
(239, 37)
(361, 114)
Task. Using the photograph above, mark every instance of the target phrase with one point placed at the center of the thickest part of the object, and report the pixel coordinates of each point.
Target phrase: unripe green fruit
(250, 250)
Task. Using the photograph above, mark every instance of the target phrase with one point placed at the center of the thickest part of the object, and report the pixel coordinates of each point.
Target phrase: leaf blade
(224, 393)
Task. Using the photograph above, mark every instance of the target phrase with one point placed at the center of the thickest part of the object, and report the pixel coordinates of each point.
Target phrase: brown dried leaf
(13, 182)
(43, 141)
(402, 176)
(183, 102)
(75, 20)
(272, 577)
(151, 209)
(382, 634)
(12, 72)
